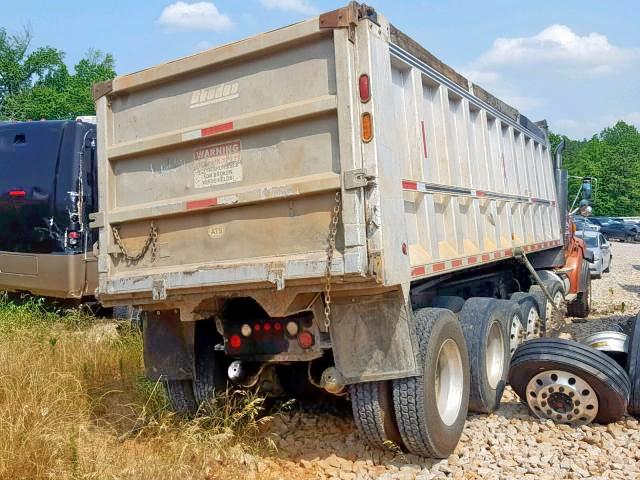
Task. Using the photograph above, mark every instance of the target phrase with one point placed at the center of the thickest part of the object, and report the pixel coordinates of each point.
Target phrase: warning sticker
(218, 164)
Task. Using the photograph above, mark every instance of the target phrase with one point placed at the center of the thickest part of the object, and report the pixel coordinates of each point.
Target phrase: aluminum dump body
(225, 166)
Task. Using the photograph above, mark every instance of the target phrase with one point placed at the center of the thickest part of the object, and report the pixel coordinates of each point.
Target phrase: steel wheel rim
(516, 334)
(563, 397)
(558, 298)
(533, 323)
(449, 382)
(494, 355)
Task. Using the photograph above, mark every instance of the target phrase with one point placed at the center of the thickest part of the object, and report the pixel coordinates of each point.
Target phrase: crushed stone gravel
(508, 444)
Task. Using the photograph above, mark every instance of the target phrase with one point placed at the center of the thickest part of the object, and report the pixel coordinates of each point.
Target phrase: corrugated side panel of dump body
(233, 155)
(463, 178)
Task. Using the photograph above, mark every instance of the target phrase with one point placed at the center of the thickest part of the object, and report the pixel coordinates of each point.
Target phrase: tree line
(37, 84)
(612, 158)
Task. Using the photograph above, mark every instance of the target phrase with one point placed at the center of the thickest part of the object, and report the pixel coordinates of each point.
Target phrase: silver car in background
(601, 252)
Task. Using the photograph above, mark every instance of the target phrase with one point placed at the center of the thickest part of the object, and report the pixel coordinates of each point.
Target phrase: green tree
(39, 85)
(613, 158)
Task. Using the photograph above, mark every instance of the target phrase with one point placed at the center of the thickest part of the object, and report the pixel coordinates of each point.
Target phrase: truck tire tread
(372, 405)
(414, 422)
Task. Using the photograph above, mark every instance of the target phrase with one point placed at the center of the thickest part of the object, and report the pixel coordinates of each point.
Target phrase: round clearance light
(277, 326)
(256, 327)
(305, 339)
(292, 328)
(266, 327)
(235, 341)
(245, 330)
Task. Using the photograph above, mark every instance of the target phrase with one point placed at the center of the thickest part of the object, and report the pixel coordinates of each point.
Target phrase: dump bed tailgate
(224, 166)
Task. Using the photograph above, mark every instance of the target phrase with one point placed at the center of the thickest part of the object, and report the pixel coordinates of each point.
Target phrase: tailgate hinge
(96, 220)
(159, 289)
(348, 17)
(357, 179)
(376, 267)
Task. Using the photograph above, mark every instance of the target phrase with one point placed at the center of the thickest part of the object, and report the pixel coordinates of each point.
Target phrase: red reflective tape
(438, 267)
(208, 202)
(417, 271)
(408, 185)
(508, 252)
(424, 140)
(486, 258)
(480, 193)
(456, 263)
(17, 193)
(472, 260)
(223, 127)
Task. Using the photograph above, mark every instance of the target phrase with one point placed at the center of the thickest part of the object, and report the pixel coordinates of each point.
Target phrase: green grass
(74, 404)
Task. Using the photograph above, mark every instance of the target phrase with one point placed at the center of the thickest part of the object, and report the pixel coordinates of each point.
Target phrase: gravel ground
(508, 444)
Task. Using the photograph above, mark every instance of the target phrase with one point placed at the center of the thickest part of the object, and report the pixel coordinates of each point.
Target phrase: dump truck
(329, 207)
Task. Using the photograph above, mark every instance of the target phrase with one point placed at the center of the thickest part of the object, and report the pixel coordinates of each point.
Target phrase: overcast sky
(574, 62)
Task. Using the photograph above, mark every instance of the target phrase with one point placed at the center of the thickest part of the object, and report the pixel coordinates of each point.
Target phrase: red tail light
(305, 339)
(277, 326)
(364, 88)
(256, 327)
(266, 327)
(17, 193)
(235, 341)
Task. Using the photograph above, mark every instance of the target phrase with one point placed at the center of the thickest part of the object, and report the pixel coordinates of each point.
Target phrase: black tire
(210, 368)
(608, 379)
(513, 323)
(373, 412)
(608, 269)
(181, 396)
(532, 319)
(633, 368)
(581, 306)
(419, 421)
(452, 303)
(480, 318)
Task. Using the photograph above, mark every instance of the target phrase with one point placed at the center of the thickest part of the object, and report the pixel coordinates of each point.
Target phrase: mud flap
(373, 338)
(168, 346)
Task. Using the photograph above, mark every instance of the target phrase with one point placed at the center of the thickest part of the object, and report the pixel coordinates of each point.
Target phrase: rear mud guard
(168, 346)
(373, 338)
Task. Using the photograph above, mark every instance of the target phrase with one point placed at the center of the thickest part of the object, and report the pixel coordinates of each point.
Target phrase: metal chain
(331, 240)
(151, 242)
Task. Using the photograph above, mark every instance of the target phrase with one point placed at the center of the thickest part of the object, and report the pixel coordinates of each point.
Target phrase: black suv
(624, 232)
(47, 190)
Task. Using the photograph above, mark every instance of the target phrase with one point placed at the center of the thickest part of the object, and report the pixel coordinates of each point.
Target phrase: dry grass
(74, 404)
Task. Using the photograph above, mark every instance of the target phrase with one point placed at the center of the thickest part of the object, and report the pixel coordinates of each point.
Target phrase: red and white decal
(424, 187)
(208, 131)
(212, 202)
(472, 260)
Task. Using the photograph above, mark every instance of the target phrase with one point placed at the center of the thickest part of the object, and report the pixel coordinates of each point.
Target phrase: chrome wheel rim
(494, 355)
(516, 334)
(449, 382)
(563, 397)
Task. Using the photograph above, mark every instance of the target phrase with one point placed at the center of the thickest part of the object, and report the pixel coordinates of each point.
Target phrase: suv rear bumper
(49, 275)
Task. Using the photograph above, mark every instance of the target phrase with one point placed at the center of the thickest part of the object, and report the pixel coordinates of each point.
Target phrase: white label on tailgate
(218, 164)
